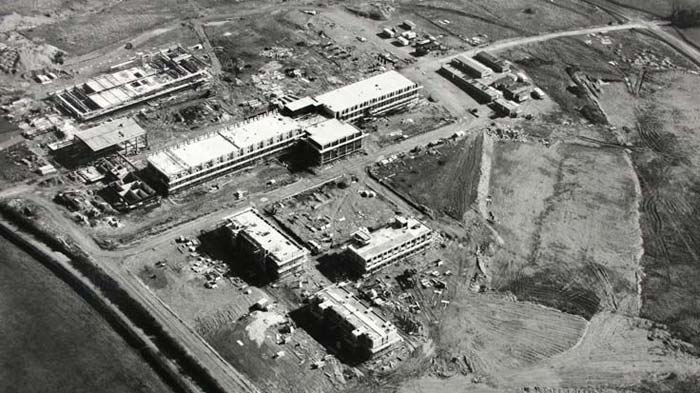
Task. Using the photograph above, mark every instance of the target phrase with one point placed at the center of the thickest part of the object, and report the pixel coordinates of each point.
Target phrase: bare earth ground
(568, 217)
(566, 229)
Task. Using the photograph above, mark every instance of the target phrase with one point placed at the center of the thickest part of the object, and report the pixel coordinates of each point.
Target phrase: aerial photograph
(360, 196)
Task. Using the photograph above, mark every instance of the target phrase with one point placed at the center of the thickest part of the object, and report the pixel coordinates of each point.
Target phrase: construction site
(481, 196)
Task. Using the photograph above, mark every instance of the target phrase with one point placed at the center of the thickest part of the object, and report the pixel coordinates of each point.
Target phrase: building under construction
(273, 253)
(358, 329)
(120, 135)
(138, 80)
(235, 146)
(372, 251)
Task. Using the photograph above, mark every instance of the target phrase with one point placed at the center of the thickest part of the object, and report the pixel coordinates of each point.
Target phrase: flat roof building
(139, 80)
(471, 67)
(479, 91)
(120, 134)
(405, 236)
(228, 148)
(506, 108)
(493, 62)
(360, 329)
(373, 96)
(333, 139)
(274, 253)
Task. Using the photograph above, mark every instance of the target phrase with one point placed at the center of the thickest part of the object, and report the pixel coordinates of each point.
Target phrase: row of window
(399, 248)
(380, 99)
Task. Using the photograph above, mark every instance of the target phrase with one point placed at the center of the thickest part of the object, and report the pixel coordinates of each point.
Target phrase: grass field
(444, 179)
(54, 341)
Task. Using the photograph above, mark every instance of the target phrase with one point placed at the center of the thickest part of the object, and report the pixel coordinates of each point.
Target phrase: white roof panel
(330, 131)
(363, 91)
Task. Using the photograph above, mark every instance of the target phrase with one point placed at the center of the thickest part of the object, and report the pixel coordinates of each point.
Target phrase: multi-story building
(275, 254)
(371, 251)
(370, 97)
(216, 153)
(496, 64)
(471, 67)
(332, 139)
(138, 80)
(359, 329)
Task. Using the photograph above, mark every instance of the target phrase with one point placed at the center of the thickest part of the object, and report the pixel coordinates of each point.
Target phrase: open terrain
(565, 252)
(82, 353)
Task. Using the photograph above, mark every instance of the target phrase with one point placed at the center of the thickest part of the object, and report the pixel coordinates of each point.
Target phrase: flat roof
(472, 64)
(330, 130)
(110, 133)
(268, 237)
(365, 90)
(258, 129)
(301, 103)
(389, 236)
(363, 318)
(220, 143)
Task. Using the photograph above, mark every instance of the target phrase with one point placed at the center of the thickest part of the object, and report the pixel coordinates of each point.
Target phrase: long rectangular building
(373, 96)
(360, 330)
(371, 251)
(471, 67)
(148, 77)
(495, 63)
(479, 91)
(216, 153)
(274, 253)
(232, 147)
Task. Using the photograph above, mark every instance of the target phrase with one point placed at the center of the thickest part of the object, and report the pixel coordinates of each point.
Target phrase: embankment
(130, 316)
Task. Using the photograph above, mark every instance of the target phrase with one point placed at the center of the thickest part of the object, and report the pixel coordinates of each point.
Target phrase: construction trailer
(519, 91)
(119, 135)
(493, 62)
(370, 97)
(403, 237)
(479, 91)
(358, 329)
(273, 253)
(136, 81)
(472, 67)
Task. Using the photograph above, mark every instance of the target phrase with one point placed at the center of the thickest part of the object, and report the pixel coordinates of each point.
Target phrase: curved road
(227, 376)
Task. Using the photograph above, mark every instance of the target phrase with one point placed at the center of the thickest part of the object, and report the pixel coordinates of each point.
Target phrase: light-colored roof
(258, 129)
(472, 64)
(191, 154)
(279, 246)
(362, 318)
(364, 90)
(220, 143)
(330, 130)
(301, 103)
(389, 236)
(110, 133)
